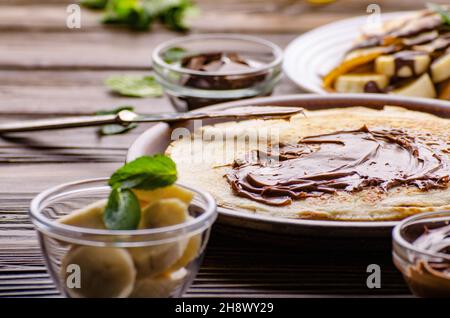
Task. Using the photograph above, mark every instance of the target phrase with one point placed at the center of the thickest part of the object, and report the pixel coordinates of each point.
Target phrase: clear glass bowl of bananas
(158, 259)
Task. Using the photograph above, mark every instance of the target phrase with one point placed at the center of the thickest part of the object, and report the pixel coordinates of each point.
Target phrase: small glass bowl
(190, 89)
(420, 266)
(87, 262)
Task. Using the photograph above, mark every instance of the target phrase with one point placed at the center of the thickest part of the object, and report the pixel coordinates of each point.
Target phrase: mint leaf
(443, 11)
(122, 211)
(145, 173)
(134, 86)
(114, 111)
(115, 129)
(141, 14)
(174, 54)
(94, 4)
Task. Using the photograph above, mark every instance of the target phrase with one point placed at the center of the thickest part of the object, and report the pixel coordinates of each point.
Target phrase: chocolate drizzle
(340, 161)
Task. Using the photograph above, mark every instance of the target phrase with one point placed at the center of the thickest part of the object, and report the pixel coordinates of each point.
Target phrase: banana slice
(356, 83)
(440, 68)
(164, 212)
(444, 90)
(104, 272)
(159, 287)
(151, 261)
(190, 253)
(390, 65)
(154, 260)
(421, 87)
(90, 216)
(353, 60)
(174, 191)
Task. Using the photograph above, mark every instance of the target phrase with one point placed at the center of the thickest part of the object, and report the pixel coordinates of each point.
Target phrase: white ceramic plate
(157, 138)
(314, 53)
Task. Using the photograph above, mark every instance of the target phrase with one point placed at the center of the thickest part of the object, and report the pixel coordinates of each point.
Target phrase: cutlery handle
(58, 123)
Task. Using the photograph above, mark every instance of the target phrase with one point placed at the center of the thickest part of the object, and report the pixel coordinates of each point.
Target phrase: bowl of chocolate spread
(421, 251)
(202, 70)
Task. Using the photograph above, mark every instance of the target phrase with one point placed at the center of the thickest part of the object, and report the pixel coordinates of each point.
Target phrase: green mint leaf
(114, 111)
(443, 11)
(146, 173)
(115, 129)
(127, 12)
(94, 4)
(122, 211)
(176, 18)
(134, 86)
(174, 54)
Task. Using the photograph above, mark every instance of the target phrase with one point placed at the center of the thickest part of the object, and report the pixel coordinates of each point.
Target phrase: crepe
(204, 158)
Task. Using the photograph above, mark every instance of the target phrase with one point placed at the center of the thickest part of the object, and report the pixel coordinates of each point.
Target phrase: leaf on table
(115, 129)
(141, 14)
(94, 4)
(146, 173)
(134, 86)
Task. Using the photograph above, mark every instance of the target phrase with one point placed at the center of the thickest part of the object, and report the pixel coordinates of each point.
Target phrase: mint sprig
(442, 10)
(123, 211)
(134, 86)
(146, 173)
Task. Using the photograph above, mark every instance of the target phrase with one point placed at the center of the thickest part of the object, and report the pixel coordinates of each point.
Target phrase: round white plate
(313, 54)
(157, 138)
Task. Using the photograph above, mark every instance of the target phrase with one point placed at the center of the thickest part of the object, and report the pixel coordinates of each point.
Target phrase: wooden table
(49, 70)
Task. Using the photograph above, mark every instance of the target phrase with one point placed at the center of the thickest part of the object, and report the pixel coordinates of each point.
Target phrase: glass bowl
(424, 263)
(88, 262)
(190, 89)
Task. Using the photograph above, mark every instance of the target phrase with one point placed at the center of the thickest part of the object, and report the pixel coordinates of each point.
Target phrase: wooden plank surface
(49, 70)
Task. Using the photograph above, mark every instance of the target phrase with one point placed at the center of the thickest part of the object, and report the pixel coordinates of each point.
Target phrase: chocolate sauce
(372, 87)
(227, 66)
(430, 275)
(340, 161)
(405, 59)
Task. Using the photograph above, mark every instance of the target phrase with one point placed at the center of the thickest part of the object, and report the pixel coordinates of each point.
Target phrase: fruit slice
(352, 61)
(440, 68)
(159, 287)
(421, 87)
(104, 272)
(444, 90)
(173, 191)
(164, 212)
(151, 261)
(356, 83)
(190, 253)
(154, 260)
(402, 64)
(90, 216)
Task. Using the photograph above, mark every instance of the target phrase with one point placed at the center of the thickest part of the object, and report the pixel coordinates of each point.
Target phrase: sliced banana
(159, 287)
(154, 260)
(90, 216)
(352, 61)
(104, 272)
(173, 191)
(164, 212)
(190, 253)
(440, 68)
(356, 83)
(421, 87)
(386, 64)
